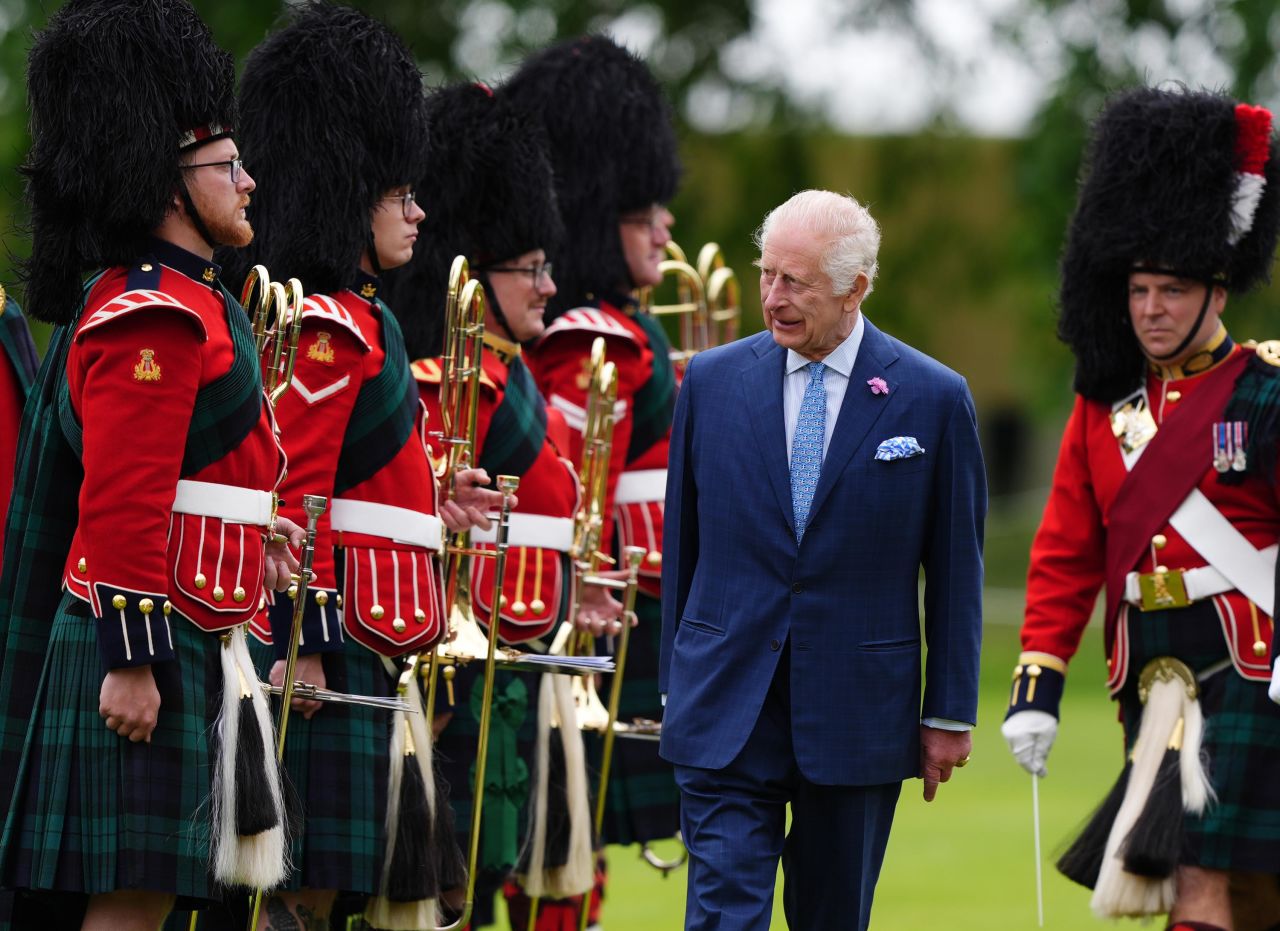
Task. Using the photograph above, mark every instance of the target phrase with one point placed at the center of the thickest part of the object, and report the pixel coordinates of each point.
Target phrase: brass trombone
(459, 407)
(277, 324)
(724, 295)
(690, 305)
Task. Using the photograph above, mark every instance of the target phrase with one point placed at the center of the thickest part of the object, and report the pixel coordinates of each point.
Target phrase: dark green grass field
(966, 860)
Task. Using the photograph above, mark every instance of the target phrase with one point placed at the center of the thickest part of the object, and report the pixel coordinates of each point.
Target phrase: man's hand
(471, 501)
(130, 702)
(940, 752)
(308, 669)
(1030, 736)
(280, 563)
(598, 610)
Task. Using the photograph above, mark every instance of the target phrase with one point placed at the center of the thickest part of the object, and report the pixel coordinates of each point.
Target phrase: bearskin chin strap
(371, 250)
(194, 214)
(496, 307)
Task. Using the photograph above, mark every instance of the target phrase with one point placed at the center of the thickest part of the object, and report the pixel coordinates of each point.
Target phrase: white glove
(1274, 691)
(1030, 735)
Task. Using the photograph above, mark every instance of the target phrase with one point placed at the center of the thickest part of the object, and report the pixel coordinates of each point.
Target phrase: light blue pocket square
(899, 447)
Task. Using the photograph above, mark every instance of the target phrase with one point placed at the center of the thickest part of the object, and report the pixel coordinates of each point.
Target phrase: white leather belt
(386, 520)
(641, 485)
(537, 530)
(1203, 582)
(229, 503)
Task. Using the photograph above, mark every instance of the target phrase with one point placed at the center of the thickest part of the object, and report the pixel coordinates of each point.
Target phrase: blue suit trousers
(734, 819)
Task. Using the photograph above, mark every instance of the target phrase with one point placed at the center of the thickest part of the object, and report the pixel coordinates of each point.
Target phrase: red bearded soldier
(1165, 490)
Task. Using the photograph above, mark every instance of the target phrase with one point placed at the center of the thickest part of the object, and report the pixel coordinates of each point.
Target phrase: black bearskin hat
(613, 149)
(332, 117)
(488, 194)
(1181, 181)
(113, 88)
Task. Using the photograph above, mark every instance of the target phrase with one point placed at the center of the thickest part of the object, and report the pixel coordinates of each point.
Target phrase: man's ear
(859, 290)
(176, 206)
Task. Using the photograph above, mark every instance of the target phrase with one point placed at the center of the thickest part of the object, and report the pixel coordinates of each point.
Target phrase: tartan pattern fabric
(806, 446)
(15, 339)
(1256, 401)
(654, 404)
(642, 802)
(94, 812)
(337, 765)
(518, 428)
(384, 415)
(509, 771)
(43, 514)
(1241, 831)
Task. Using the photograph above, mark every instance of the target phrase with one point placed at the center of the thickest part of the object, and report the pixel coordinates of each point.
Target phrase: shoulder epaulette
(130, 301)
(323, 307)
(1269, 352)
(429, 372)
(590, 320)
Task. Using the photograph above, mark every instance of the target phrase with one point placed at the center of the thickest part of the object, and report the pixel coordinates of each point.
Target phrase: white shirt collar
(841, 358)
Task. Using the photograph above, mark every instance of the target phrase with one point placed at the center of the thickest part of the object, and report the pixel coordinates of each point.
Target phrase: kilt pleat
(94, 813)
(642, 802)
(337, 764)
(1241, 830)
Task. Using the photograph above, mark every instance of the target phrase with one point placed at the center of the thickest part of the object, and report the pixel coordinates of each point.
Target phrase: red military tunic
(382, 535)
(1068, 566)
(541, 531)
(150, 337)
(636, 485)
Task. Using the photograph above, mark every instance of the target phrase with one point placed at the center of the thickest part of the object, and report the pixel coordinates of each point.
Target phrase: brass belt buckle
(1162, 589)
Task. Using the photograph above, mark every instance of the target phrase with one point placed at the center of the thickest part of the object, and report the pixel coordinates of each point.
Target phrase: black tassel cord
(1082, 861)
(1154, 846)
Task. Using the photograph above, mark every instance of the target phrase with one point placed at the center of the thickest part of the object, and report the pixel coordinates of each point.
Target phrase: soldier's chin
(236, 234)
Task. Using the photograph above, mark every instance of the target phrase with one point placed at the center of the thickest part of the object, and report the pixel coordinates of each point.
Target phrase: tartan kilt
(642, 802)
(513, 732)
(337, 764)
(1241, 830)
(92, 812)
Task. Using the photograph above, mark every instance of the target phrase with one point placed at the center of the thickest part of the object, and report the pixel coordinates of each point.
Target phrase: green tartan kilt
(513, 731)
(1241, 830)
(92, 812)
(337, 764)
(642, 802)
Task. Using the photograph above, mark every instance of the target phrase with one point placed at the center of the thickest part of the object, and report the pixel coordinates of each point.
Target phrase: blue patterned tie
(806, 446)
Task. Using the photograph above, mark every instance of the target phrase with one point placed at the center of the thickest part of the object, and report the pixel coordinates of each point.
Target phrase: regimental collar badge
(209, 275)
(321, 350)
(1133, 424)
(368, 290)
(147, 369)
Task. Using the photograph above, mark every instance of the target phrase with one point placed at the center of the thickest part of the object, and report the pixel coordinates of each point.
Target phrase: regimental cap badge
(147, 369)
(321, 350)
(583, 380)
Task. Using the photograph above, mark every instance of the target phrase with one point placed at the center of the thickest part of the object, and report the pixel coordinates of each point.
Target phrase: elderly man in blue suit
(815, 470)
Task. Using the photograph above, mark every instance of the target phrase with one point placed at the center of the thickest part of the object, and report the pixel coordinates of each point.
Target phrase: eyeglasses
(655, 218)
(538, 272)
(407, 200)
(235, 163)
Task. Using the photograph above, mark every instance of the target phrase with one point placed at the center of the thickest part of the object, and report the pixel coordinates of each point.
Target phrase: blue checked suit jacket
(735, 585)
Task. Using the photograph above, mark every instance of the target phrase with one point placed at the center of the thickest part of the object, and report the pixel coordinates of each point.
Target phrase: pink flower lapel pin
(878, 385)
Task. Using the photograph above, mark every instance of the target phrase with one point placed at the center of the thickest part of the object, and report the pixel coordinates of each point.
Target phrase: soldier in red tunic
(135, 541)
(613, 150)
(355, 431)
(492, 201)
(1165, 490)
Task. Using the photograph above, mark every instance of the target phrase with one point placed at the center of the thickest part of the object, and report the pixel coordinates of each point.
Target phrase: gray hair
(849, 228)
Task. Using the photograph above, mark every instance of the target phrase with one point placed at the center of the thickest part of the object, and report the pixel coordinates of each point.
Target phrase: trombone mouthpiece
(632, 556)
(507, 484)
(314, 505)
